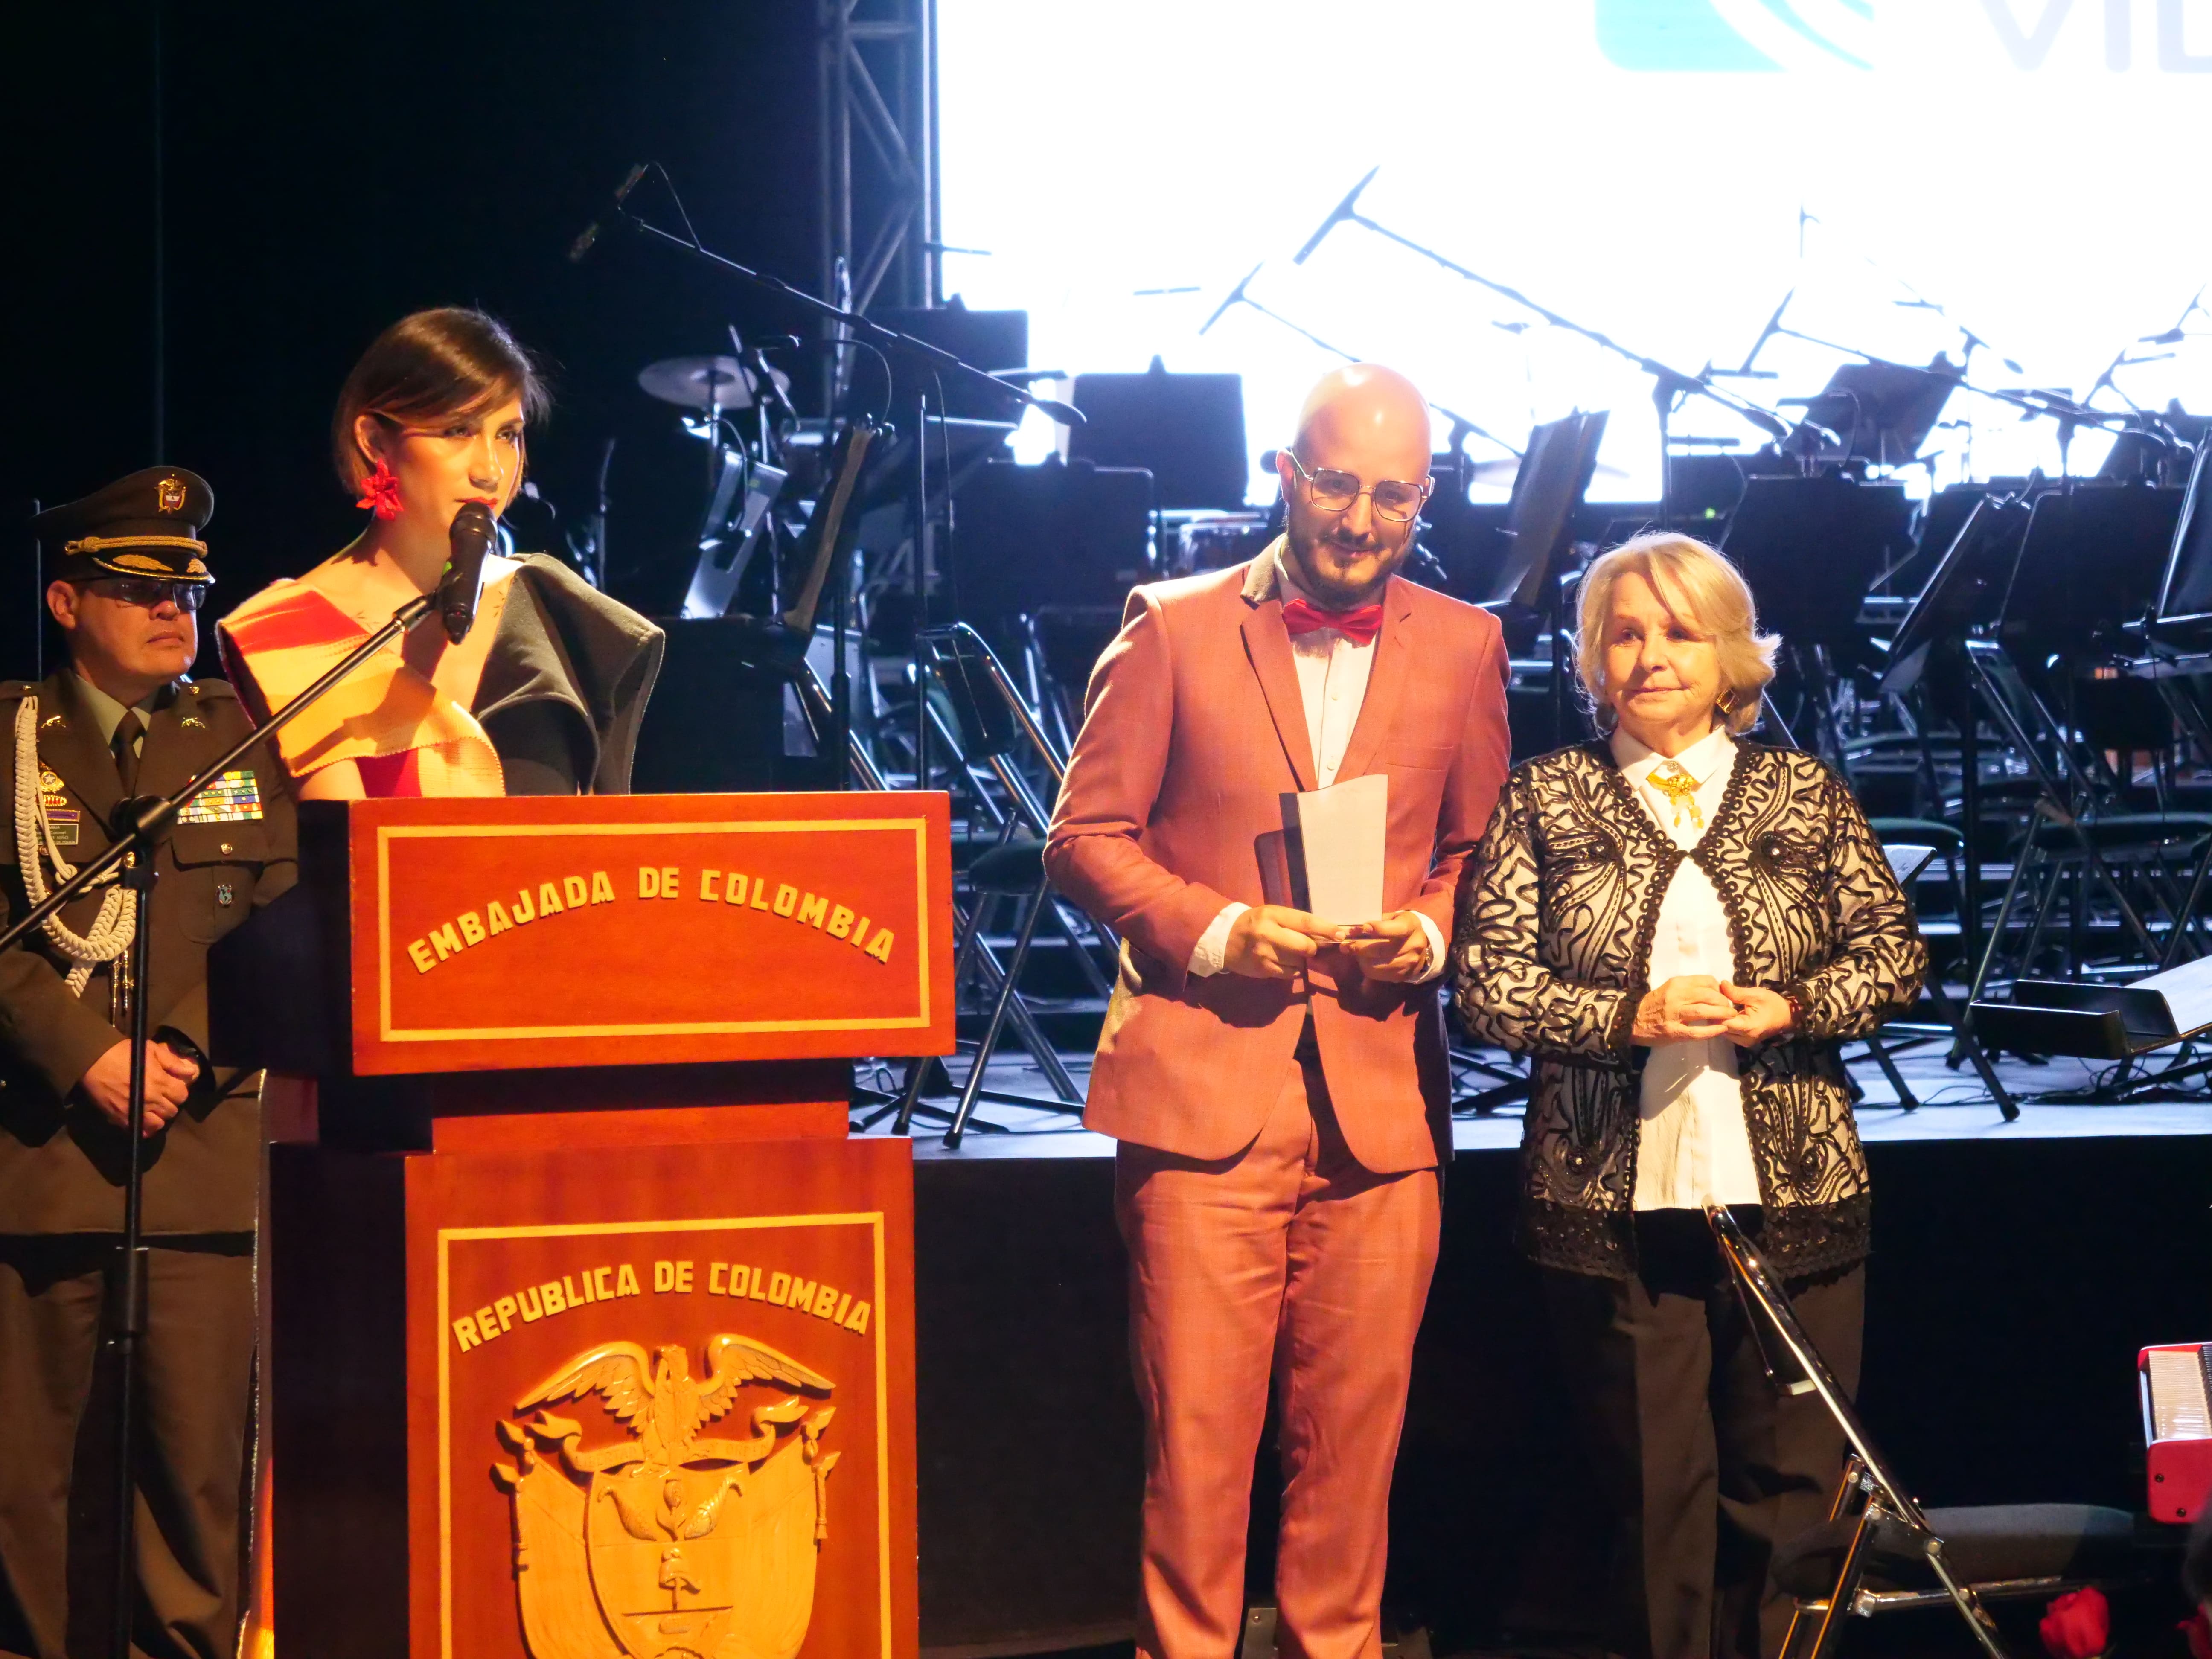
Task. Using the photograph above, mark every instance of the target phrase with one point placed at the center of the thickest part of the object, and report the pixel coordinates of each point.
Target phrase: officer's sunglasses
(150, 592)
(1332, 491)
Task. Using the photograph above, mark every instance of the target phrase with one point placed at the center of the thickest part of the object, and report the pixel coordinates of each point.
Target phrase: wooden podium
(594, 1331)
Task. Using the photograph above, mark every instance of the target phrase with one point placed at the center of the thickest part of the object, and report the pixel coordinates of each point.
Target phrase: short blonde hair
(1701, 588)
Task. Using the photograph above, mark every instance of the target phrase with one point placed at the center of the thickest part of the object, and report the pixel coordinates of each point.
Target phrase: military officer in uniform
(123, 718)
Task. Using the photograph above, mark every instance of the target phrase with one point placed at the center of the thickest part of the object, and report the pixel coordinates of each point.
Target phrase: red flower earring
(380, 491)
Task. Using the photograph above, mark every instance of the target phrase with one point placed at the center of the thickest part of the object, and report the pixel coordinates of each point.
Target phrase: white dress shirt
(1332, 674)
(1695, 1143)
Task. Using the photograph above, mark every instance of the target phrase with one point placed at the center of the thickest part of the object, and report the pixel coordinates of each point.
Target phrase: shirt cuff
(1436, 948)
(1211, 954)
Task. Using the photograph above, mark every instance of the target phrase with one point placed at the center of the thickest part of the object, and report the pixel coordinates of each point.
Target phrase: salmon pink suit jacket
(1193, 729)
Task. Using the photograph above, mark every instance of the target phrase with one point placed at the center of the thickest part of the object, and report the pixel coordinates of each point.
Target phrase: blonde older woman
(1680, 926)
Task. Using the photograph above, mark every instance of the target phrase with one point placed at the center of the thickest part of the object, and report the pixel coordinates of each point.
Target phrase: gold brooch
(1670, 779)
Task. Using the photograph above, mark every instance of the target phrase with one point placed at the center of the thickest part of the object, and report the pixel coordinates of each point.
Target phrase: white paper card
(1336, 838)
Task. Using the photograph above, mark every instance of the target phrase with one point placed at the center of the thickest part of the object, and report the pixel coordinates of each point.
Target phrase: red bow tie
(1360, 625)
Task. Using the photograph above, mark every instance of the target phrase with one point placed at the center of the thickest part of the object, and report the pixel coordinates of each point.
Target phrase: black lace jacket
(1551, 955)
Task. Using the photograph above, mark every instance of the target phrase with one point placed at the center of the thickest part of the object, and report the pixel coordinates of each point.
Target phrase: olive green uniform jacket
(62, 1162)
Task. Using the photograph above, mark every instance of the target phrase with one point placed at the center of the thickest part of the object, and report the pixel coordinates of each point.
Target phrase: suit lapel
(1386, 681)
(1268, 646)
(73, 749)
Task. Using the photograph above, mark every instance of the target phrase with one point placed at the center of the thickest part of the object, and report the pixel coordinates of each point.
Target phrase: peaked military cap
(146, 525)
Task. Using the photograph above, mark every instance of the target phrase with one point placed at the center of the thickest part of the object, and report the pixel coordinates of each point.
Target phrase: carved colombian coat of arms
(672, 1544)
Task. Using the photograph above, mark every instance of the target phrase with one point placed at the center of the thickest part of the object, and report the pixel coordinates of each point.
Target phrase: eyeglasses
(151, 592)
(1334, 492)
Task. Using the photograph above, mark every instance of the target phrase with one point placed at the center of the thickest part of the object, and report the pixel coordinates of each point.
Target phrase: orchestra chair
(1879, 1551)
(2006, 1552)
(1913, 845)
(987, 724)
(2080, 838)
(2152, 866)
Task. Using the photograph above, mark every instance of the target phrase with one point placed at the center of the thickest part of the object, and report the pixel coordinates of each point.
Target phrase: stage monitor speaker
(1054, 537)
(2100, 1021)
(1188, 430)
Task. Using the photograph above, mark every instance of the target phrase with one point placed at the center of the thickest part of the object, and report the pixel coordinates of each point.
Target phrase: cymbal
(699, 382)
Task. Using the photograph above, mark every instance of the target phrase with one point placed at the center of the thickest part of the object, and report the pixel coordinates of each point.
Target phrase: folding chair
(991, 723)
(1879, 1551)
(2075, 830)
(1911, 845)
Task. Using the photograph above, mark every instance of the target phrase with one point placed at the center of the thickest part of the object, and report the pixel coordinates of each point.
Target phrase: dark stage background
(2012, 1282)
(326, 170)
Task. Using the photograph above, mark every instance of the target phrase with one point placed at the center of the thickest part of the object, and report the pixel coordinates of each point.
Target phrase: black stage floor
(2018, 1269)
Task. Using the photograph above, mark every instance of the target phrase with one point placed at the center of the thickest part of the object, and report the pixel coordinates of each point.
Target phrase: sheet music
(1336, 840)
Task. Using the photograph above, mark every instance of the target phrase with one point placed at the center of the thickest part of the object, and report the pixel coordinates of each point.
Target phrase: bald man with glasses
(1278, 1080)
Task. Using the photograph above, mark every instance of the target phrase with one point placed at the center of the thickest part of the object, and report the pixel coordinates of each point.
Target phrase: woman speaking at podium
(545, 694)
(1680, 927)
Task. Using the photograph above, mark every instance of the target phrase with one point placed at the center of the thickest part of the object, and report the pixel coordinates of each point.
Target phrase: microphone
(1235, 295)
(590, 233)
(1343, 212)
(462, 584)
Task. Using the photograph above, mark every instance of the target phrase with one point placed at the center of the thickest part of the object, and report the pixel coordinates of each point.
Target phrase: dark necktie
(128, 731)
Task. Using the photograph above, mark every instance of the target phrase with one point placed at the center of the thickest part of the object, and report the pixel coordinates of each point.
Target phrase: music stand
(1187, 430)
(2092, 561)
(744, 661)
(1940, 516)
(1887, 409)
(1967, 590)
(1549, 487)
(1071, 537)
(1810, 548)
(2184, 591)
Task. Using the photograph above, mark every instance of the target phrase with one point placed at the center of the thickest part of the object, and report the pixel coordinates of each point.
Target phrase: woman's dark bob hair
(432, 365)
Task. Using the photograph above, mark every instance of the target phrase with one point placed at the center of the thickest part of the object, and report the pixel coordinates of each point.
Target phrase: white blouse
(1695, 1143)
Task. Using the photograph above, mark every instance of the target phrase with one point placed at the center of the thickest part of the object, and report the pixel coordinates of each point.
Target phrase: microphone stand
(934, 359)
(2069, 415)
(1669, 385)
(138, 827)
(1237, 296)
